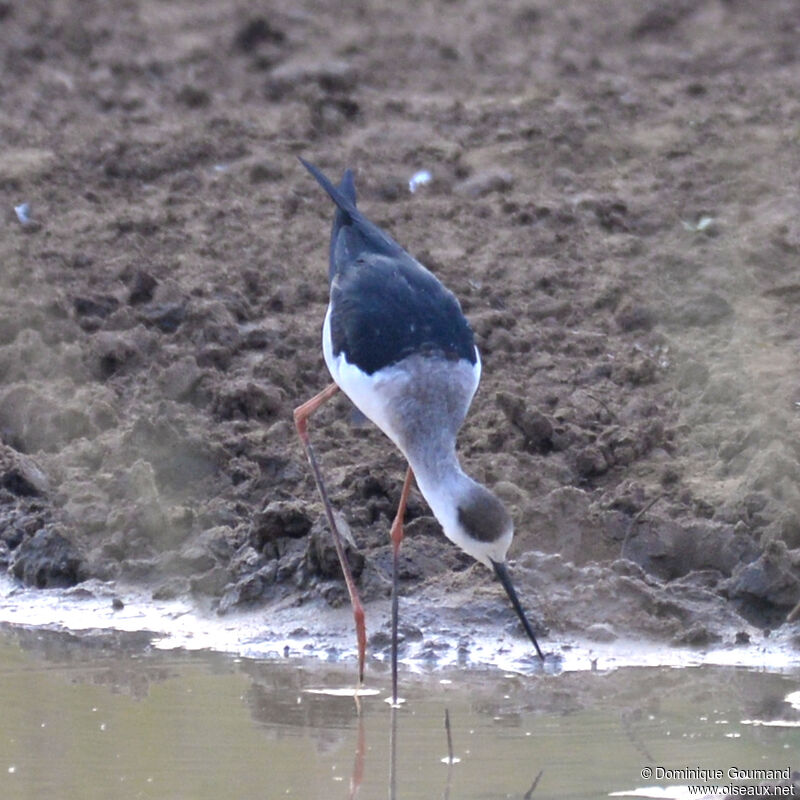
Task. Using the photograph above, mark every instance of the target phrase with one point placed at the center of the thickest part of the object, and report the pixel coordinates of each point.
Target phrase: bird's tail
(344, 195)
(352, 233)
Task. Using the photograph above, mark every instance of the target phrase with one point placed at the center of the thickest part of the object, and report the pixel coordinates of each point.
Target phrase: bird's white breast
(419, 404)
(384, 396)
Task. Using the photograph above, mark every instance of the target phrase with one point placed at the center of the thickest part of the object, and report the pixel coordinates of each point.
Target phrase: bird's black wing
(352, 233)
(384, 309)
(385, 305)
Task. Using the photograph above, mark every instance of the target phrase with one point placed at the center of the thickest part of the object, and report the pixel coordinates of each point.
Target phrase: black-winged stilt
(397, 344)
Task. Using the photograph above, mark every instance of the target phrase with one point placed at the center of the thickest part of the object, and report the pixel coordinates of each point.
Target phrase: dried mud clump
(46, 560)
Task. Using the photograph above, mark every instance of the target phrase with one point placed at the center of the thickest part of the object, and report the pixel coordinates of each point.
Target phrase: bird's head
(484, 526)
(485, 533)
(477, 521)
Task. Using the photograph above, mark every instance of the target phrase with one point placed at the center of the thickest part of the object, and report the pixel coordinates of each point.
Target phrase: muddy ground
(614, 198)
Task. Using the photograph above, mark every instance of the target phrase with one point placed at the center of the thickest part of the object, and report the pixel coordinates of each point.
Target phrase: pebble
(482, 183)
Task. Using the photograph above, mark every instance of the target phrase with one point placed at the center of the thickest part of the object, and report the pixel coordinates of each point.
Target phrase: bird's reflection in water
(361, 751)
(393, 754)
(450, 759)
(358, 763)
(319, 703)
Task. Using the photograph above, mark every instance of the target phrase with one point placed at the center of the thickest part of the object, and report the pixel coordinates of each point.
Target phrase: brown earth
(614, 199)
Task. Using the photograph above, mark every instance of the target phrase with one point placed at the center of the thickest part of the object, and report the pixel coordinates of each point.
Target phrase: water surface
(104, 715)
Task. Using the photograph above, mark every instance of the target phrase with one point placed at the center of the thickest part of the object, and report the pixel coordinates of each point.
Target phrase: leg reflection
(358, 763)
(393, 755)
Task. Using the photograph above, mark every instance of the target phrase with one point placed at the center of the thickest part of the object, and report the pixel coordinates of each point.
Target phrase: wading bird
(397, 344)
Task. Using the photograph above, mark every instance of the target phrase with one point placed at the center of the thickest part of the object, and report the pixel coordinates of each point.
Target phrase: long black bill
(501, 570)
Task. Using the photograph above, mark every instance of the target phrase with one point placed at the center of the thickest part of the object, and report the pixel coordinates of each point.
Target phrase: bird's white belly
(381, 395)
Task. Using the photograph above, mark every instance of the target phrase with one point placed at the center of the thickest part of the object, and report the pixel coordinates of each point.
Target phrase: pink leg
(301, 415)
(397, 537)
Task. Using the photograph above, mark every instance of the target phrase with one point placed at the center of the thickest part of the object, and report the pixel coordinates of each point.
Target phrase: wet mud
(611, 198)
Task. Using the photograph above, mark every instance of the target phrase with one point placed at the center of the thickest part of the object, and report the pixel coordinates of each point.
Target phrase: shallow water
(105, 715)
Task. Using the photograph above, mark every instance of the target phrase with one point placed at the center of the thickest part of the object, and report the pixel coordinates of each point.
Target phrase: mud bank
(609, 199)
(433, 639)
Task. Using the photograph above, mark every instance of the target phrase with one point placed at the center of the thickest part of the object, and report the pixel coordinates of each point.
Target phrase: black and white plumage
(398, 345)
(385, 306)
(396, 342)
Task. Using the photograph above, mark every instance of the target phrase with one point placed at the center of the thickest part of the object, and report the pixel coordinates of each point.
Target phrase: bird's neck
(444, 485)
(450, 493)
(439, 475)
(436, 462)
